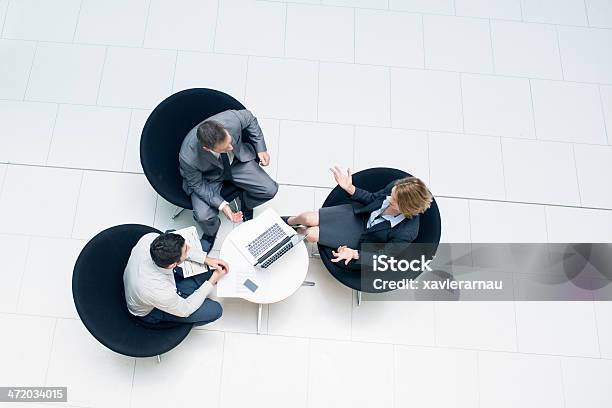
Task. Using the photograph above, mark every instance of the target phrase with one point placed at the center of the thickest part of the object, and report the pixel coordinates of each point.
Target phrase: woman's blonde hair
(413, 196)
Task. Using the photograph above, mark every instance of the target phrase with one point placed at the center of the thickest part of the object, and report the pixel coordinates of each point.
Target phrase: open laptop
(266, 239)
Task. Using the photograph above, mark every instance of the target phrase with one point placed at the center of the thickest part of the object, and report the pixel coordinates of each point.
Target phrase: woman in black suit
(388, 216)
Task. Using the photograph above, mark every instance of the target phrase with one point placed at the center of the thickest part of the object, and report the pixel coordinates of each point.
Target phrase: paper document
(191, 268)
(232, 284)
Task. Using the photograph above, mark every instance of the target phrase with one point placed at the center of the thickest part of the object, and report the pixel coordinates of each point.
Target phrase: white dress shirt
(148, 286)
(230, 156)
(393, 219)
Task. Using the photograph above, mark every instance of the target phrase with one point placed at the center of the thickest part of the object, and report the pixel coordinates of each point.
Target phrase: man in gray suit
(213, 152)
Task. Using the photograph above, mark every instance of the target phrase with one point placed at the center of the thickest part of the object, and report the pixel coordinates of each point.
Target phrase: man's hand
(345, 254)
(220, 268)
(232, 216)
(264, 158)
(345, 181)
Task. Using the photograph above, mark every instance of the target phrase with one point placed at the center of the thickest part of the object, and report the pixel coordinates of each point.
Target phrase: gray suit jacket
(202, 172)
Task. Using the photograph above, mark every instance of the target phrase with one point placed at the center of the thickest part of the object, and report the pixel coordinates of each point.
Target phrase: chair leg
(308, 283)
(158, 359)
(358, 293)
(177, 212)
(259, 319)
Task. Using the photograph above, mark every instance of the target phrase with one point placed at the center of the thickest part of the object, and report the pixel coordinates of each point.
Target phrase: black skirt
(339, 225)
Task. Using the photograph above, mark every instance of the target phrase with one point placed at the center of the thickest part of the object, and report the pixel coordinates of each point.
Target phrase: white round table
(275, 283)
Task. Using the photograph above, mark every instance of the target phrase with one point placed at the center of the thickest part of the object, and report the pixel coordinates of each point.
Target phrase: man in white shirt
(155, 289)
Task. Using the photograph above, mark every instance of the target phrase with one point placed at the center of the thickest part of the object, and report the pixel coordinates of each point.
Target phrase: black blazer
(406, 231)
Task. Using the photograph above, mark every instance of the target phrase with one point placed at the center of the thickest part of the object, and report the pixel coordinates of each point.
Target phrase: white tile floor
(503, 106)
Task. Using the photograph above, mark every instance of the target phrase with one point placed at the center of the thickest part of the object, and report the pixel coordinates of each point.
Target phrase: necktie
(178, 270)
(227, 169)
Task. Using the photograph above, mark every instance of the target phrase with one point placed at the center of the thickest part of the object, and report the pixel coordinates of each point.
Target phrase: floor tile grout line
(131, 399)
(101, 77)
(214, 43)
(394, 375)
(478, 380)
(353, 152)
(516, 336)
(6, 9)
(51, 139)
(390, 87)
(3, 177)
(442, 195)
(533, 117)
(423, 41)
(88, 169)
(176, 57)
(50, 353)
(146, 27)
(603, 115)
(408, 345)
(422, 13)
(430, 13)
(127, 139)
(596, 329)
(352, 311)
(300, 59)
(503, 167)
(559, 51)
(318, 89)
(308, 372)
(576, 174)
(285, 30)
(78, 19)
(22, 278)
(246, 78)
(428, 158)
(76, 206)
(354, 35)
(462, 104)
(25, 91)
(157, 198)
(546, 224)
(492, 48)
(459, 133)
(435, 323)
(469, 204)
(221, 369)
(562, 382)
(292, 58)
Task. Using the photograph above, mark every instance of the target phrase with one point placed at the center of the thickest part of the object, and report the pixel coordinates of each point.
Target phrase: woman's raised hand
(345, 181)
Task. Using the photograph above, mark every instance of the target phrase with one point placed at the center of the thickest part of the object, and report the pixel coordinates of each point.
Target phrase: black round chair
(99, 297)
(373, 180)
(163, 134)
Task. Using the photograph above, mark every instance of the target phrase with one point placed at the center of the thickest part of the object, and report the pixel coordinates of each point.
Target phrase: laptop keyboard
(266, 240)
(277, 255)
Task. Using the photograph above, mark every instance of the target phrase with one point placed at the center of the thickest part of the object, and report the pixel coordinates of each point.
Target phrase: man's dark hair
(167, 249)
(210, 134)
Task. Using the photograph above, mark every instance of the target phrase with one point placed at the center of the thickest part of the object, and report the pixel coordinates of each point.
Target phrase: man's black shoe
(207, 242)
(294, 226)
